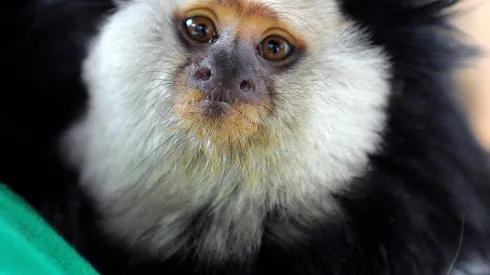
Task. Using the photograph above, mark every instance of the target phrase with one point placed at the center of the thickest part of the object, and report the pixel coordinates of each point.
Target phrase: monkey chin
(229, 127)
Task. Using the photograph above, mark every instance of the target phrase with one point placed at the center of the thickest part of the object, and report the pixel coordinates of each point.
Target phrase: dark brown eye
(275, 48)
(200, 29)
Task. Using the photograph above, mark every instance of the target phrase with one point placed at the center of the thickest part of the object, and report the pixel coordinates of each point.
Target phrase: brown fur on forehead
(245, 8)
(250, 19)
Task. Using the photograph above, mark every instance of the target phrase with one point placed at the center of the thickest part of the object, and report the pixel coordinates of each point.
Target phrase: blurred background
(474, 19)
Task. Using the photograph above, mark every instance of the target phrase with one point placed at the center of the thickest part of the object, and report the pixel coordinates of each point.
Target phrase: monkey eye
(275, 48)
(201, 29)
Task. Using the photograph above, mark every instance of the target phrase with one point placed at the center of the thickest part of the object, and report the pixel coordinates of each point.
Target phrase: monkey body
(349, 154)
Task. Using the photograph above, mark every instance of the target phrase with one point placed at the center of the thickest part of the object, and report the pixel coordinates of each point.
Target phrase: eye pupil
(273, 47)
(201, 30)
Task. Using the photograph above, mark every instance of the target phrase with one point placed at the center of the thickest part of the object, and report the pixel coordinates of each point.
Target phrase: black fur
(430, 184)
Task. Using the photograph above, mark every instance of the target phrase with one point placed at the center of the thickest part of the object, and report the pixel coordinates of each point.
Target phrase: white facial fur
(151, 182)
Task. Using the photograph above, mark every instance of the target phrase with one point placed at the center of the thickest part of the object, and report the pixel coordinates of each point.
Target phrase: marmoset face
(239, 105)
(244, 75)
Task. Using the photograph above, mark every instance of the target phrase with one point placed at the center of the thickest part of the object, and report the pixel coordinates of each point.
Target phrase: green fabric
(29, 246)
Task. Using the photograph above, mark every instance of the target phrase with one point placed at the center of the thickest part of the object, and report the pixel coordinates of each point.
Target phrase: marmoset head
(234, 77)
(244, 105)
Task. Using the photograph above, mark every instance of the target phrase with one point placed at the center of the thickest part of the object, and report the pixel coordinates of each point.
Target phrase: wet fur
(426, 186)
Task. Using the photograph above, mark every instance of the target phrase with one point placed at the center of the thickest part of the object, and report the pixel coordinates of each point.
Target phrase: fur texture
(328, 118)
(375, 169)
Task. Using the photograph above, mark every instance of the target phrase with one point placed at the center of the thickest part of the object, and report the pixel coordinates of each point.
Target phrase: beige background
(475, 21)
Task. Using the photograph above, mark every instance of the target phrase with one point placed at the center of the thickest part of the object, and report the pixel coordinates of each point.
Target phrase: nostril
(247, 86)
(203, 74)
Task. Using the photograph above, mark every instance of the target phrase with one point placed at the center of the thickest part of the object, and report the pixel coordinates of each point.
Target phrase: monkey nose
(203, 74)
(247, 86)
(227, 86)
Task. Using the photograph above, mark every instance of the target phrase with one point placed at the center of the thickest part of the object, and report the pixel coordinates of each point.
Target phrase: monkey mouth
(221, 122)
(215, 108)
(195, 102)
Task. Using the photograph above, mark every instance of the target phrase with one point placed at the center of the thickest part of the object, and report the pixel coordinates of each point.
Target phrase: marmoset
(246, 137)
